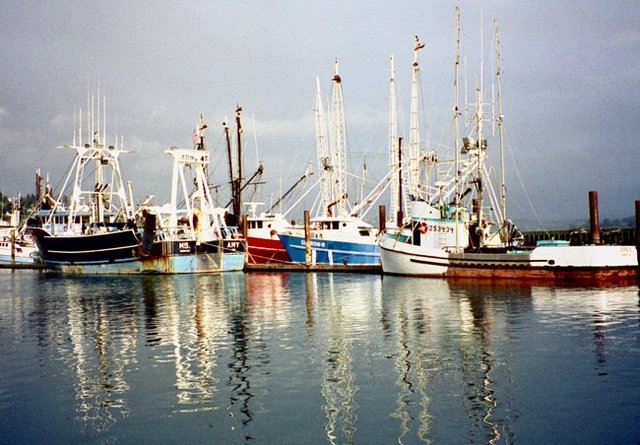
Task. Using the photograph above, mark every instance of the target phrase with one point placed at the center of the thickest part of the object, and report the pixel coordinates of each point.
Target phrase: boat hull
(266, 250)
(26, 259)
(579, 264)
(114, 253)
(16, 253)
(327, 251)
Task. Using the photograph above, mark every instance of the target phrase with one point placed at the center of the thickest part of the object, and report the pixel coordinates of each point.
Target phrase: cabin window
(364, 232)
(336, 225)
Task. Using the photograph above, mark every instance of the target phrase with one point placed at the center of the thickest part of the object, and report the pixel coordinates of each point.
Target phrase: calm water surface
(294, 358)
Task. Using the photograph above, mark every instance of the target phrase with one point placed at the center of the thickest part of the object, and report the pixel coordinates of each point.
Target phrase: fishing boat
(460, 227)
(334, 240)
(191, 234)
(89, 227)
(16, 246)
(339, 235)
(263, 244)
(262, 229)
(99, 233)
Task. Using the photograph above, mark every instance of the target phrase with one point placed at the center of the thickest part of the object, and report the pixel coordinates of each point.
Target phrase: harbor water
(315, 358)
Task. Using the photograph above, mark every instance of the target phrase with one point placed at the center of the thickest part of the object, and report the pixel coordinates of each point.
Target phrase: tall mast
(338, 143)
(481, 149)
(399, 216)
(414, 126)
(396, 200)
(232, 180)
(325, 165)
(503, 189)
(456, 123)
(95, 177)
(237, 198)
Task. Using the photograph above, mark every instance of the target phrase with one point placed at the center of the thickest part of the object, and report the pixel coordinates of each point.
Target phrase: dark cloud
(570, 77)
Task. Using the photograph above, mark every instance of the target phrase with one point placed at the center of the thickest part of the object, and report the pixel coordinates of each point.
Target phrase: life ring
(423, 227)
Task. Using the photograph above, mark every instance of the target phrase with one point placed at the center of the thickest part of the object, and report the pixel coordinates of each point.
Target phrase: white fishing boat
(460, 228)
(16, 247)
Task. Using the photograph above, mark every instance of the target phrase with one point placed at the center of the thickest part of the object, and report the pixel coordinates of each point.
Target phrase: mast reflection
(491, 411)
(415, 321)
(338, 386)
(238, 380)
(191, 331)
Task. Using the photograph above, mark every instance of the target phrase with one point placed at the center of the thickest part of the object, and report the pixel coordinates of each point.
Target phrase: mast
(456, 126)
(238, 191)
(480, 143)
(338, 143)
(95, 178)
(200, 133)
(414, 126)
(503, 189)
(232, 180)
(480, 148)
(399, 214)
(394, 147)
(324, 160)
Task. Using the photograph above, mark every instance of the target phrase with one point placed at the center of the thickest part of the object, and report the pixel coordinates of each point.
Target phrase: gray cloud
(570, 77)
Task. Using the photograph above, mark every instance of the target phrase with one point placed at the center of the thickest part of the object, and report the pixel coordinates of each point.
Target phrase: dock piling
(594, 219)
(307, 239)
(637, 240)
(13, 245)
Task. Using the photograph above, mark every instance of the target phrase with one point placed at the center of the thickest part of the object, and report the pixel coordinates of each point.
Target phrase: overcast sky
(570, 76)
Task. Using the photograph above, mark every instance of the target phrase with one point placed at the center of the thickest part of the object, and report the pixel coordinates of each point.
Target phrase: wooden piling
(244, 225)
(382, 218)
(594, 220)
(307, 239)
(13, 245)
(638, 240)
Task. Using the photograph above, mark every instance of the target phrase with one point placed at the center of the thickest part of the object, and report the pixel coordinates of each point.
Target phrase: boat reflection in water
(313, 358)
(445, 359)
(98, 352)
(343, 316)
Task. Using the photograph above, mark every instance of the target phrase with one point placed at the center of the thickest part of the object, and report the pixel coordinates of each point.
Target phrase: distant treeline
(619, 223)
(607, 223)
(27, 203)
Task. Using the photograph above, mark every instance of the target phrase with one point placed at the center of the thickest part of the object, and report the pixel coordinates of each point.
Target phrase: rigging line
(526, 194)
